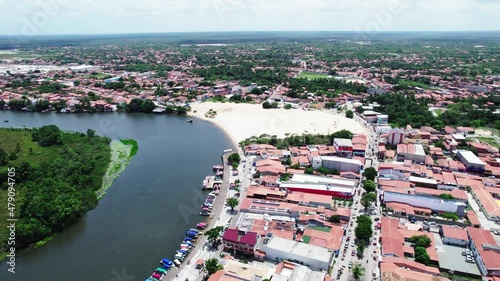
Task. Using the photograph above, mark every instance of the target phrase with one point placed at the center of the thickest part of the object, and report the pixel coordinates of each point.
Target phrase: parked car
(350, 264)
(353, 253)
(496, 232)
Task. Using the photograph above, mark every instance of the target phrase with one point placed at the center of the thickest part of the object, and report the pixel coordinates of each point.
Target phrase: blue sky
(36, 17)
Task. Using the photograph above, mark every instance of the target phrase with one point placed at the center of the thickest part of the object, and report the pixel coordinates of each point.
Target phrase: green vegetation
(363, 230)
(334, 219)
(450, 216)
(367, 199)
(213, 235)
(342, 134)
(420, 241)
(369, 186)
(421, 255)
(358, 271)
(232, 202)
(133, 143)
(268, 105)
(326, 171)
(312, 75)
(404, 109)
(370, 173)
(349, 114)
(55, 183)
(212, 266)
(446, 196)
(306, 239)
(297, 140)
(320, 228)
(234, 159)
(100, 76)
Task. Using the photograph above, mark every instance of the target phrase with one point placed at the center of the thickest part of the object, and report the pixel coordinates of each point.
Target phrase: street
(371, 254)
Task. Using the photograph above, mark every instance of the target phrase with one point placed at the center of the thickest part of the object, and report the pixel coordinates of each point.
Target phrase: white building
(470, 160)
(316, 258)
(337, 163)
(312, 179)
(433, 203)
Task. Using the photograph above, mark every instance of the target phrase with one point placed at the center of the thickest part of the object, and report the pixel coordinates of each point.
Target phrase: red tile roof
(455, 232)
(233, 235)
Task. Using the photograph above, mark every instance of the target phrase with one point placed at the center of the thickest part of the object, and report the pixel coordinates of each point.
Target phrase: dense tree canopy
(370, 173)
(369, 186)
(47, 135)
(56, 185)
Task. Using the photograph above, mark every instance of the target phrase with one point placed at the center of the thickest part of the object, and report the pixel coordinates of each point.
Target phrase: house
(244, 242)
(454, 235)
(343, 146)
(413, 152)
(395, 136)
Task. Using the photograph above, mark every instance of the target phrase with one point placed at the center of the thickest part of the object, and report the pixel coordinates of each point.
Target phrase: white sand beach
(241, 121)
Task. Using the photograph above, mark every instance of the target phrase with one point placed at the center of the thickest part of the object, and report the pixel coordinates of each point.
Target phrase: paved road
(372, 251)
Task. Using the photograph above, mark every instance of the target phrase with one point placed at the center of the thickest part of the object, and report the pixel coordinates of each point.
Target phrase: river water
(146, 212)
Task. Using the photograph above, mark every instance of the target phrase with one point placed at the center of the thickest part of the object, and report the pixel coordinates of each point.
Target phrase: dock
(218, 207)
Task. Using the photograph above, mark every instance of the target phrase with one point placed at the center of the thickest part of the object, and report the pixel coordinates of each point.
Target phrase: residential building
(244, 242)
(454, 235)
(343, 146)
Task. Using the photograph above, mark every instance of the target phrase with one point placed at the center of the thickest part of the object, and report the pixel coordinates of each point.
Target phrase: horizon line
(253, 31)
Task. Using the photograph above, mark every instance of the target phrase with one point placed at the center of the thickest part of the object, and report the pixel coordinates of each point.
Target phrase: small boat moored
(190, 121)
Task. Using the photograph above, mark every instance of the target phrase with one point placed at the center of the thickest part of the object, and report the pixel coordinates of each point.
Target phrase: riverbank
(241, 121)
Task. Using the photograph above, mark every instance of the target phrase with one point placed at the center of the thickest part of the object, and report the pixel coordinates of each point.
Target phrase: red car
(353, 253)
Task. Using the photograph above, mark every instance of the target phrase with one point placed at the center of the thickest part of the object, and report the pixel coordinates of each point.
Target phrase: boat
(190, 121)
(6, 121)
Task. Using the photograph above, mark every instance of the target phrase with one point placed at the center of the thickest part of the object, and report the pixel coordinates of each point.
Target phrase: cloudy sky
(32, 17)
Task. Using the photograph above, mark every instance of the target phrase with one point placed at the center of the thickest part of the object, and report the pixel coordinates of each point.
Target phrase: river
(144, 215)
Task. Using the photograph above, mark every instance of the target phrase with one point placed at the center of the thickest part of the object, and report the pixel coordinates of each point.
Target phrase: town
(414, 196)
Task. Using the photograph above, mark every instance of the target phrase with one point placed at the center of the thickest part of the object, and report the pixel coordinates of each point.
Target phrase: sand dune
(241, 121)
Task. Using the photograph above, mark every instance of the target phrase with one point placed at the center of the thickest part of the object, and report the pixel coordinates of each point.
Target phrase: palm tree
(212, 266)
(358, 271)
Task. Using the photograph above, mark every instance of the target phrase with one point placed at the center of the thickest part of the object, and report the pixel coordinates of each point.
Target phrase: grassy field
(490, 141)
(100, 76)
(312, 75)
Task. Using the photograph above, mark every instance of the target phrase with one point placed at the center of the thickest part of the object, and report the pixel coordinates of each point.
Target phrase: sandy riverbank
(241, 121)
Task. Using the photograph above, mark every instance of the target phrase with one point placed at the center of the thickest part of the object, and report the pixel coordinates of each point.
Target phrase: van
(177, 263)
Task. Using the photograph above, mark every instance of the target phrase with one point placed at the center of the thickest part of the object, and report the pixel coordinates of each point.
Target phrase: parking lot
(450, 257)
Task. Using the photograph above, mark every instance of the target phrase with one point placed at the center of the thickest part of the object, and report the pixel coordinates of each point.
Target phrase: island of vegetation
(59, 176)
